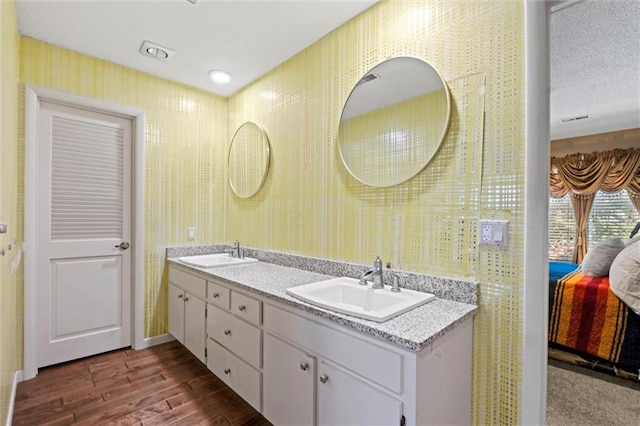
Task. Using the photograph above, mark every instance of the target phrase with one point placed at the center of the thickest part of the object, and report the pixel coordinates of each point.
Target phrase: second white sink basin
(347, 296)
(214, 260)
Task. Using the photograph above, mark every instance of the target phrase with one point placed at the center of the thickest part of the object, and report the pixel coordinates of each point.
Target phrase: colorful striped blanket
(585, 316)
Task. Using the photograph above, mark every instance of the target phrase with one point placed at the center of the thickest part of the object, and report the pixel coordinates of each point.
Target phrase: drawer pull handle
(227, 332)
(304, 366)
(324, 378)
(227, 370)
(216, 295)
(242, 308)
(180, 296)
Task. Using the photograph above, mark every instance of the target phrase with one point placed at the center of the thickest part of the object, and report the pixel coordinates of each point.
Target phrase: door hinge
(403, 421)
(206, 312)
(205, 352)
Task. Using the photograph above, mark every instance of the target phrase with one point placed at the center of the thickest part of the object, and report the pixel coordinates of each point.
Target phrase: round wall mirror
(249, 157)
(394, 122)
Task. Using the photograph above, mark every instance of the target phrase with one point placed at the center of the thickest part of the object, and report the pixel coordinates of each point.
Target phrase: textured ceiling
(595, 67)
(246, 38)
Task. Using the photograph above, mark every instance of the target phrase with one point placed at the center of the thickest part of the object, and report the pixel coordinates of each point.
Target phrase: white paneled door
(84, 232)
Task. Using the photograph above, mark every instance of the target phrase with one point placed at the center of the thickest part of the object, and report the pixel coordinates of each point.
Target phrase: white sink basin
(215, 260)
(347, 296)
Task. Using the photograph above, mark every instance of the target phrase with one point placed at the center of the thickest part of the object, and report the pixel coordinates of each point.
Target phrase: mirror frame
(267, 163)
(440, 139)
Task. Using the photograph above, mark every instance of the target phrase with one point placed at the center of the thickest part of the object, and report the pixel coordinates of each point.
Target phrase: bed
(589, 325)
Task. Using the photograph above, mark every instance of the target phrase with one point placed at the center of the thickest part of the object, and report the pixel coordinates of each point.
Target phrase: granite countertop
(413, 330)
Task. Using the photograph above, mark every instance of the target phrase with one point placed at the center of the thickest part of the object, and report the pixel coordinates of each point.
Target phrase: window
(562, 228)
(612, 215)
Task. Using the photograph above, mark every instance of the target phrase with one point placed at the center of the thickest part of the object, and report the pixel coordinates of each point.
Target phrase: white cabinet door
(195, 337)
(288, 384)
(176, 312)
(344, 399)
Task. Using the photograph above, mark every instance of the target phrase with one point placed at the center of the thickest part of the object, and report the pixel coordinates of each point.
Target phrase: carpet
(582, 397)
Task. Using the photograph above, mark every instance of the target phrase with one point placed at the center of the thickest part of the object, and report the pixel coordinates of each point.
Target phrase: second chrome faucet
(373, 274)
(236, 251)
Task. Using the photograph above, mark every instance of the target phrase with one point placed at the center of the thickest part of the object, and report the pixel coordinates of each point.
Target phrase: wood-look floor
(161, 385)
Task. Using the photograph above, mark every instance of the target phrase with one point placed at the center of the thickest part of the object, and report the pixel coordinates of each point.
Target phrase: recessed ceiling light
(220, 76)
(155, 51)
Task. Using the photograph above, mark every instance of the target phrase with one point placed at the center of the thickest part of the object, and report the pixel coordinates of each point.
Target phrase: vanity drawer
(376, 363)
(237, 374)
(246, 307)
(191, 283)
(218, 295)
(241, 338)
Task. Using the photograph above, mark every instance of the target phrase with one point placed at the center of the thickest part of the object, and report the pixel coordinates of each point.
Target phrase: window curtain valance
(582, 175)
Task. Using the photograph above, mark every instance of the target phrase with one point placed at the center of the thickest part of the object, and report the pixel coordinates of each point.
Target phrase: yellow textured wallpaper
(184, 179)
(10, 206)
(311, 205)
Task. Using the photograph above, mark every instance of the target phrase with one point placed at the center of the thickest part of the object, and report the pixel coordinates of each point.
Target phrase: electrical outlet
(191, 234)
(494, 233)
(486, 233)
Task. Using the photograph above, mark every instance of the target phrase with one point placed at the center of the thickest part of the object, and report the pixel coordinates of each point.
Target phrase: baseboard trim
(157, 340)
(18, 376)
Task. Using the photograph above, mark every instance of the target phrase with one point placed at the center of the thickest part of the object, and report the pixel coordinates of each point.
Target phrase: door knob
(304, 366)
(324, 378)
(123, 245)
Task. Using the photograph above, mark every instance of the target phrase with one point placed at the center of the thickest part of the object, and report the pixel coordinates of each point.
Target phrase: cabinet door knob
(227, 332)
(186, 299)
(227, 370)
(180, 296)
(324, 378)
(216, 295)
(304, 366)
(242, 308)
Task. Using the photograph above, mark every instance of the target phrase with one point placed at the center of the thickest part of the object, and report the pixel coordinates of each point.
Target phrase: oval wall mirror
(394, 122)
(249, 157)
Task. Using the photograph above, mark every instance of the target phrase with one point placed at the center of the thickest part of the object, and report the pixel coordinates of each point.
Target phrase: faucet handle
(362, 280)
(396, 284)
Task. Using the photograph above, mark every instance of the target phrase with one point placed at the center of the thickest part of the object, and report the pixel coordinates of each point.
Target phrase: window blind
(612, 215)
(562, 228)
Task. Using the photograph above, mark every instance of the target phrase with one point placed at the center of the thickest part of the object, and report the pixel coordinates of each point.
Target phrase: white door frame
(535, 305)
(33, 96)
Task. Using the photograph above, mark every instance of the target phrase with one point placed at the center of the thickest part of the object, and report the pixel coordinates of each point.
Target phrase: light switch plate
(494, 233)
(191, 234)
(3, 228)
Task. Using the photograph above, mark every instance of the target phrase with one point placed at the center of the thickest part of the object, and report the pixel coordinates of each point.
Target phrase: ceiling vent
(576, 118)
(155, 51)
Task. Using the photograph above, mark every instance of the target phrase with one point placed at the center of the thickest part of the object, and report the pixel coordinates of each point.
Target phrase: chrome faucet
(236, 251)
(373, 274)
